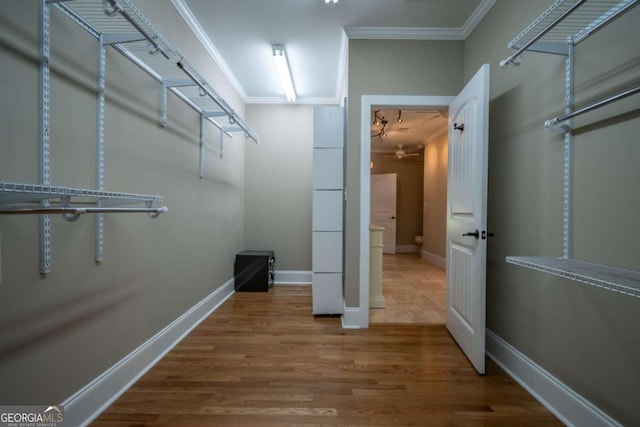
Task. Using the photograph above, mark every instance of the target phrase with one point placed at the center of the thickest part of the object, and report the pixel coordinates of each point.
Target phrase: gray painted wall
(279, 184)
(59, 332)
(389, 67)
(435, 196)
(582, 335)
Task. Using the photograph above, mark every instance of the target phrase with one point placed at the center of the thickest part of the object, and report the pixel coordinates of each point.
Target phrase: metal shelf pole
(45, 165)
(99, 219)
(598, 104)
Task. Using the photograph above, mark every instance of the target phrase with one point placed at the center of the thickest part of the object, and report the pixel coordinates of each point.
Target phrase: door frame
(368, 101)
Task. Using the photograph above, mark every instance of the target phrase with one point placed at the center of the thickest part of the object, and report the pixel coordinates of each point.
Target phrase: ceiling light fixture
(282, 65)
(330, 1)
(377, 121)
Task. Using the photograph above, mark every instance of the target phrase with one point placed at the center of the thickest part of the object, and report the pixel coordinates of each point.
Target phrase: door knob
(475, 234)
(486, 234)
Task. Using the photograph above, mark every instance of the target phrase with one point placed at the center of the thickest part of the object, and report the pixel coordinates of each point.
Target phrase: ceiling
(239, 35)
(415, 128)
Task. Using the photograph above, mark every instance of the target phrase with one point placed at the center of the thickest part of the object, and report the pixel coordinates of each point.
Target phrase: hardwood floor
(262, 359)
(414, 291)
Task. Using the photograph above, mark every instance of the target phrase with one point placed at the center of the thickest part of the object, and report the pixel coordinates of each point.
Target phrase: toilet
(418, 240)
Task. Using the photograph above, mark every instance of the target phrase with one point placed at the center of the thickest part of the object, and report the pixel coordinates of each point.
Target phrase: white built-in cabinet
(328, 210)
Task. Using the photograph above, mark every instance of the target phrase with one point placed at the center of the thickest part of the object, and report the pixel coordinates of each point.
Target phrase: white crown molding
(299, 100)
(375, 33)
(403, 33)
(201, 35)
(422, 33)
(477, 15)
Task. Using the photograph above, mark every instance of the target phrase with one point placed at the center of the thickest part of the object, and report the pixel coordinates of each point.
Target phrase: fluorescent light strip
(282, 65)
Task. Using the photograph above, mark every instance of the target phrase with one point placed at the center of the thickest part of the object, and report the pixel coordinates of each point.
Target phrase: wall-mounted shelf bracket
(71, 203)
(565, 22)
(168, 84)
(109, 39)
(614, 279)
(558, 30)
(14, 193)
(121, 25)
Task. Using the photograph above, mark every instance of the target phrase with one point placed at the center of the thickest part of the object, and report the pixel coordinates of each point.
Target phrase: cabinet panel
(327, 210)
(327, 293)
(327, 252)
(328, 203)
(328, 127)
(328, 169)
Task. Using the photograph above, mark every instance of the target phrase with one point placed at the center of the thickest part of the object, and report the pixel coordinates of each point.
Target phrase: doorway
(409, 143)
(369, 102)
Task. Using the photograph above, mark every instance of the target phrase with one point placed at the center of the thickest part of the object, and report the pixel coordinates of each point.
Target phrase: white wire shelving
(560, 28)
(614, 279)
(23, 198)
(121, 25)
(565, 22)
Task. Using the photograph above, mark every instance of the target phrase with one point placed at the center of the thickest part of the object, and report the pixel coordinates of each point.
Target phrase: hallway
(414, 291)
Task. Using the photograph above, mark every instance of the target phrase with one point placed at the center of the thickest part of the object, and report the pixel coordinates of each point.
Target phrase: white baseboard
(292, 277)
(406, 249)
(351, 318)
(87, 403)
(571, 408)
(433, 258)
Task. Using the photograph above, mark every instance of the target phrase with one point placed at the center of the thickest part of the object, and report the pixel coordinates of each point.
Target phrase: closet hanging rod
(227, 109)
(601, 103)
(513, 58)
(118, 9)
(76, 212)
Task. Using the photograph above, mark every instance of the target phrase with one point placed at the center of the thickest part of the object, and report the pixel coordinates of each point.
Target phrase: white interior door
(467, 217)
(383, 208)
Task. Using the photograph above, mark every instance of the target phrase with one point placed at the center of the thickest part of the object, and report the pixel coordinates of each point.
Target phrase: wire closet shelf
(562, 26)
(565, 22)
(21, 199)
(123, 26)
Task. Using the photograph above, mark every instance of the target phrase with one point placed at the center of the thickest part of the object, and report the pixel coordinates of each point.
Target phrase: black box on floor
(254, 271)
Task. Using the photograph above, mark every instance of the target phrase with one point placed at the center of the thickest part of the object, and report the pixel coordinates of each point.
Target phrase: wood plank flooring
(414, 291)
(262, 359)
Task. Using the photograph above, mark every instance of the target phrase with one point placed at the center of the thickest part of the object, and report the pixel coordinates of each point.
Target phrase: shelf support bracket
(222, 131)
(201, 165)
(166, 85)
(109, 39)
(568, 155)
(45, 220)
(99, 218)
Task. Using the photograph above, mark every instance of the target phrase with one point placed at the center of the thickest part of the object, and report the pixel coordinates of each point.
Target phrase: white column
(376, 244)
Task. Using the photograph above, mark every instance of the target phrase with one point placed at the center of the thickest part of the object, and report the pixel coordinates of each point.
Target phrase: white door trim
(367, 101)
